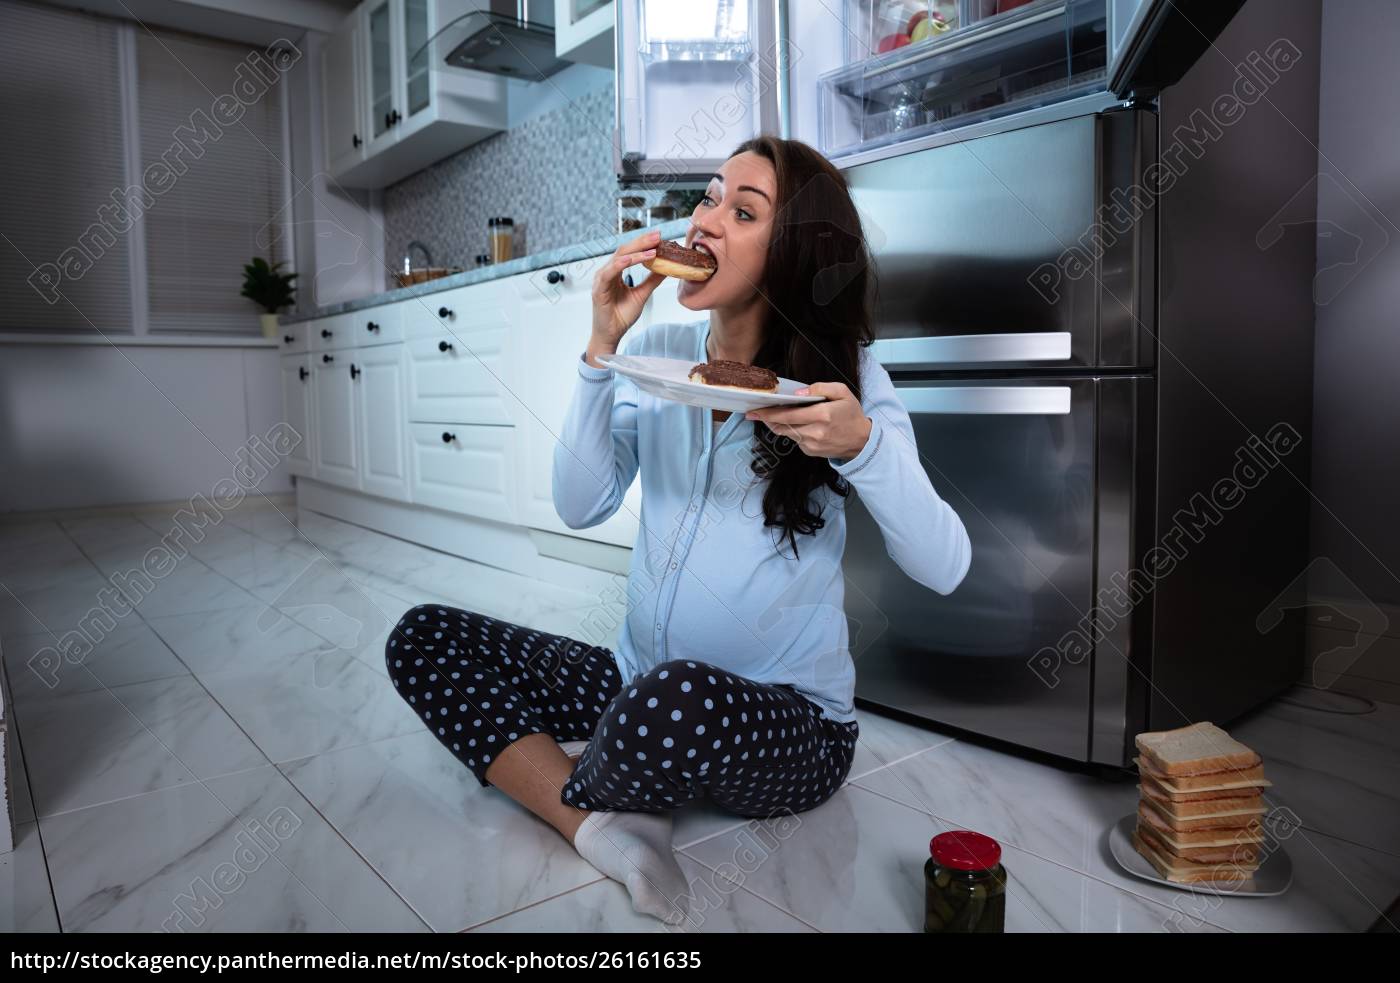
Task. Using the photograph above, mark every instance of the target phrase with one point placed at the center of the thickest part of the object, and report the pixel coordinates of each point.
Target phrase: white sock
(573, 748)
(634, 848)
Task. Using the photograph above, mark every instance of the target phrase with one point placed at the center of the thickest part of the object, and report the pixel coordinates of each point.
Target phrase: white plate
(1274, 875)
(669, 378)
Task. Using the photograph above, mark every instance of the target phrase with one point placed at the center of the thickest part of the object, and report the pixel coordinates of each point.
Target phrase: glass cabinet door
(577, 10)
(415, 54)
(381, 70)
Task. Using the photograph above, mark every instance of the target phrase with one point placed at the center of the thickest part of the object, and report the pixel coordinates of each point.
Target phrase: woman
(732, 679)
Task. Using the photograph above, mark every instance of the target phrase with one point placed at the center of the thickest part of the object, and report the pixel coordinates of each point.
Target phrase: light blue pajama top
(707, 580)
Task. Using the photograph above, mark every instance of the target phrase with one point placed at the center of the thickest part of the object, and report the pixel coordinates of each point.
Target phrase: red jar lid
(963, 849)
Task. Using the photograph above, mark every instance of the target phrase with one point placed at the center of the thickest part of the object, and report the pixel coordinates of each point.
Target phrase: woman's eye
(706, 200)
(743, 214)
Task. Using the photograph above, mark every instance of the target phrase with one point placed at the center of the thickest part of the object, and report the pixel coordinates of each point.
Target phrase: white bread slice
(1220, 819)
(1180, 871)
(1200, 749)
(1179, 840)
(1153, 786)
(1215, 782)
(1240, 853)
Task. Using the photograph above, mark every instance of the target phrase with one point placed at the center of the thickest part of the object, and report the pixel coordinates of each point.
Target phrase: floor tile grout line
(751, 893)
(849, 780)
(237, 820)
(38, 828)
(601, 878)
(1049, 860)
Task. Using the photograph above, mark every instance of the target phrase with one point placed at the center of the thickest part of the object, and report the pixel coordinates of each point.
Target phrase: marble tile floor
(230, 756)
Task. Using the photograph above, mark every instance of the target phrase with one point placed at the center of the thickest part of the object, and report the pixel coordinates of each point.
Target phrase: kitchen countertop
(525, 264)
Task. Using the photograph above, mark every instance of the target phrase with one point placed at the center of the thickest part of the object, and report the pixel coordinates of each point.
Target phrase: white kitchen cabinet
(336, 449)
(412, 109)
(468, 469)
(459, 368)
(583, 31)
(555, 321)
(342, 96)
(294, 339)
(297, 410)
(378, 375)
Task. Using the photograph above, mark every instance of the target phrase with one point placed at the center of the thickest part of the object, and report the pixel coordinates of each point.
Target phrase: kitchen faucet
(408, 256)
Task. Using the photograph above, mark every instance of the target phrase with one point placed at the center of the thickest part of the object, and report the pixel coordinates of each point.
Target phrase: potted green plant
(269, 289)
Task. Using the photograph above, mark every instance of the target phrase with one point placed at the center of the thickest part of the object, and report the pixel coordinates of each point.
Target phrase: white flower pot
(269, 325)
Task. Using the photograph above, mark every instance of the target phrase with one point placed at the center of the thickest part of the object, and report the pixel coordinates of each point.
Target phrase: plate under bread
(1272, 878)
(669, 378)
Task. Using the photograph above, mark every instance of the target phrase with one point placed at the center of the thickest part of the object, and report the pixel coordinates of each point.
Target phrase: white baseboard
(497, 544)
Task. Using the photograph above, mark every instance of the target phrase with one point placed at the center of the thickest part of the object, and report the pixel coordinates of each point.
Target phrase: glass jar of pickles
(964, 884)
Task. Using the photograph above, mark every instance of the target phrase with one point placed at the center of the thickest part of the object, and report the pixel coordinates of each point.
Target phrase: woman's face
(733, 223)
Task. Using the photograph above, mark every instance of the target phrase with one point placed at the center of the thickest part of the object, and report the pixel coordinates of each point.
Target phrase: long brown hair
(819, 285)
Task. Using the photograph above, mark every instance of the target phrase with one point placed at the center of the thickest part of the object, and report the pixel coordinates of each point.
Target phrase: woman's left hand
(836, 428)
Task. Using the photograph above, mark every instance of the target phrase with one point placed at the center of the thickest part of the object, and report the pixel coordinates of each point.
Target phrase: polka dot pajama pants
(679, 731)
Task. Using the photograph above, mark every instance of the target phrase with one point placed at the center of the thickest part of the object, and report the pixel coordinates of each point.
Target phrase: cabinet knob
(354, 372)
(303, 373)
(326, 332)
(445, 312)
(371, 326)
(555, 277)
(448, 438)
(394, 118)
(328, 358)
(444, 346)
(355, 140)
(288, 338)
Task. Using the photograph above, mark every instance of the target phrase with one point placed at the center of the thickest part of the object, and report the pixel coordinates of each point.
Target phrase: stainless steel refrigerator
(1086, 411)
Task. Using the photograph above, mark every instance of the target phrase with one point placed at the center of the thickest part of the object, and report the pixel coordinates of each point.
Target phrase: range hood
(514, 38)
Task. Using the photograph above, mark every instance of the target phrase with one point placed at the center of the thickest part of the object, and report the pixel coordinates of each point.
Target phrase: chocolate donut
(735, 375)
(678, 261)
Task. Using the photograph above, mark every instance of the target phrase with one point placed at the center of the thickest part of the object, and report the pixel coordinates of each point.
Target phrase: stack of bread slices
(1200, 814)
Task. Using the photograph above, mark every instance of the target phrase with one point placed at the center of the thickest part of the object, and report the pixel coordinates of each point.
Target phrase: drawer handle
(445, 313)
(448, 438)
(444, 346)
(328, 358)
(555, 277)
(326, 332)
(354, 372)
(302, 371)
(987, 400)
(371, 326)
(288, 338)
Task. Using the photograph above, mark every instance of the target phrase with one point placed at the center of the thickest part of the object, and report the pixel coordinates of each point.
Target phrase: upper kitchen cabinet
(342, 95)
(391, 108)
(694, 80)
(583, 31)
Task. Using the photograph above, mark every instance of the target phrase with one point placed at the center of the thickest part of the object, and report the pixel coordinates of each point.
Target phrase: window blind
(222, 182)
(65, 251)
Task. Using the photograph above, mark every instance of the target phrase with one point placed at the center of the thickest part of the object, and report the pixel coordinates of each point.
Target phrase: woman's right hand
(616, 306)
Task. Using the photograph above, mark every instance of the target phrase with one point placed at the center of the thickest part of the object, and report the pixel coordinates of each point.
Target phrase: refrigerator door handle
(928, 352)
(987, 400)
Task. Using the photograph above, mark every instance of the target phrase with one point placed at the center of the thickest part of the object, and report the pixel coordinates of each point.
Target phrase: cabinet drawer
(331, 333)
(464, 469)
(295, 339)
(458, 379)
(375, 326)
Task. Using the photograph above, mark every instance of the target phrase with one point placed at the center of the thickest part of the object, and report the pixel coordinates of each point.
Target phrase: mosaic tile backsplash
(553, 175)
